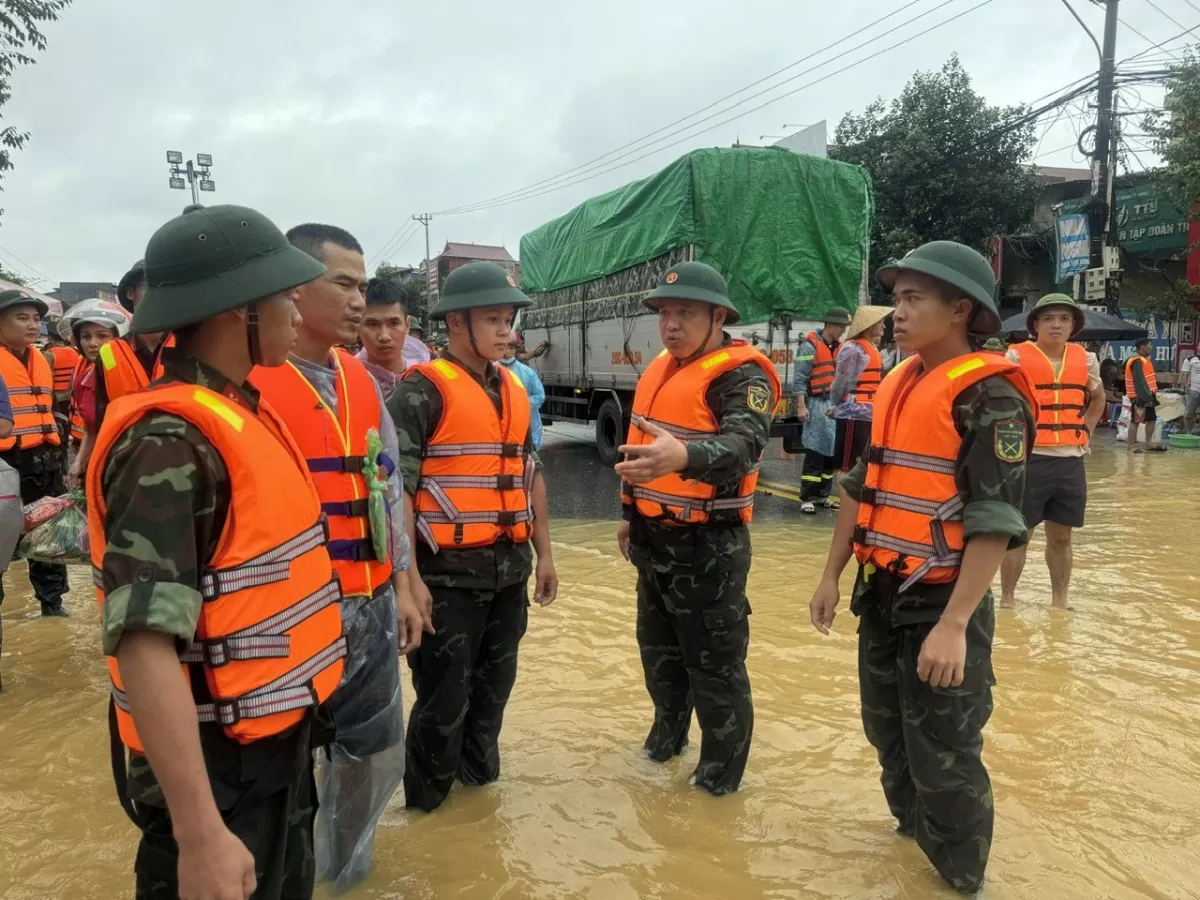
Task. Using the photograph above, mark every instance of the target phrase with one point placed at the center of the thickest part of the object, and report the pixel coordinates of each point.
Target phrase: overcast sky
(364, 113)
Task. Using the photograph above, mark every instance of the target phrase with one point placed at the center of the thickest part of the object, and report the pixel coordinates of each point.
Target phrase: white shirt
(1191, 368)
(1094, 385)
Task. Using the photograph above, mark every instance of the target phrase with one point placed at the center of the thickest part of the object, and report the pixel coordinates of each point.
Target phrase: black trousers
(462, 677)
(38, 480)
(816, 476)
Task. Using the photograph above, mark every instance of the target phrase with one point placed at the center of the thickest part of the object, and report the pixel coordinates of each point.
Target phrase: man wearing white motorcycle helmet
(92, 324)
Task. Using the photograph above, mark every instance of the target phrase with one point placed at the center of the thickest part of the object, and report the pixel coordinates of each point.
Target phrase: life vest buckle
(511, 451)
(506, 518)
(506, 482)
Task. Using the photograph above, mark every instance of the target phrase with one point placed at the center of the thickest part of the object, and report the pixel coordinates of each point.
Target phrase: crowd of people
(275, 520)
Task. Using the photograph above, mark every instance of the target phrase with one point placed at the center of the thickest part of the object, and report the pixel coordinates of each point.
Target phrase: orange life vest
(335, 449)
(269, 639)
(31, 392)
(823, 365)
(65, 360)
(1147, 372)
(77, 425)
(910, 515)
(674, 398)
(868, 381)
(1062, 396)
(123, 371)
(475, 479)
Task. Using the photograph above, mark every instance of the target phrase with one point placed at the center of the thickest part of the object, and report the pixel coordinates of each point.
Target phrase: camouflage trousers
(462, 678)
(693, 634)
(929, 740)
(276, 828)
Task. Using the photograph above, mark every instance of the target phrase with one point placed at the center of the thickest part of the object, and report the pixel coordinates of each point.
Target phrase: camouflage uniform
(464, 674)
(930, 740)
(167, 492)
(692, 626)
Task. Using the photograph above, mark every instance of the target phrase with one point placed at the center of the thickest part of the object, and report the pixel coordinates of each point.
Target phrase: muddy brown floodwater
(1094, 747)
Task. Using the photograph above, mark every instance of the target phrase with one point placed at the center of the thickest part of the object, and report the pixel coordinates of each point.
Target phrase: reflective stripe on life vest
(476, 480)
(1147, 372)
(335, 450)
(1062, 396)
(268, 643)
(823, 366)
(868, 381)
(674, 397)
(31, 393)
(910, 515)
(77, 424)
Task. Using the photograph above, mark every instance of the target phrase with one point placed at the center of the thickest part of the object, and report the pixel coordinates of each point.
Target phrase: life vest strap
(347, 509)
(35, 390)
(932, 555)
(886, 457)
(266, 640)
(1061, 426)
(1062, 386)
(288, 692)
(508, 451)
(683, 434)
(487, 482)
(351, 550)
(351, 464)
(1062, 406)
(503, 518)
(34, 429)
(689, 504)
(266, 568)
(948, 511)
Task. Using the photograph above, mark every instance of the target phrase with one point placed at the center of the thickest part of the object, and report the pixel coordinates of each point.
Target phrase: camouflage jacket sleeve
(415, 407)
(166, 490)
(804, 364)
(997, 427)
(852, 482)
(741, 402)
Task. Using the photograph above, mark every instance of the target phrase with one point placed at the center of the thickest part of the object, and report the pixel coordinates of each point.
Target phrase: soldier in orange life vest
(34, 447)
(218, 599)
(1071, 401)
(929, 512)
(132, 363)
(331, 405)
(701, 420)
(1141, 387)
(474, 482)
(811, 381)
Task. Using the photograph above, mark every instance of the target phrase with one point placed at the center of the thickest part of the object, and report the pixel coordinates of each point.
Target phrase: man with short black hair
(384, 333)
(1141, 387)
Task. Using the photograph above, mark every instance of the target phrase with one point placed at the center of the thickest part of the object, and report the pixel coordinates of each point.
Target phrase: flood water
(1093, 748)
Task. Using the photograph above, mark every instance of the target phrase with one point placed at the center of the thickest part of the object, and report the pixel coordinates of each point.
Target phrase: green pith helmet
(694, 281)
(9, 299)
(995, 345)
(478, 285)
(213, 259)
(836, 315)
(1051, 301)
(960, 267)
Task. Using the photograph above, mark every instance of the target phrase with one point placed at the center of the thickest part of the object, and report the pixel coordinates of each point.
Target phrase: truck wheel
(609, 432)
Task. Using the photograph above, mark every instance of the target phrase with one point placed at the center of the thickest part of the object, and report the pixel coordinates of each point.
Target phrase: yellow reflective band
(217, 405)
(445, 368)
(969, 366)
(716, 360)
(107, 357)
(664, 352)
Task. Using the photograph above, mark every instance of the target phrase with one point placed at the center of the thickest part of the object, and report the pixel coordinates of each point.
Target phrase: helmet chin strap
(712, 324)
(252, 336)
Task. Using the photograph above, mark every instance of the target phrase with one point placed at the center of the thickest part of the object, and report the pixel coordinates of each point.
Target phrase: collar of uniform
(490, 376)
(180, 367)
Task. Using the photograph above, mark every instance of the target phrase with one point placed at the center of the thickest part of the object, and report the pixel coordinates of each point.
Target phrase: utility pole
(425, 219)
(1102, 281)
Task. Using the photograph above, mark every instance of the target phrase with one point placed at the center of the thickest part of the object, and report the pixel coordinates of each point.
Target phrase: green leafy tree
(6, 275)
(946, 164)
(19, 36)
(1175, 134)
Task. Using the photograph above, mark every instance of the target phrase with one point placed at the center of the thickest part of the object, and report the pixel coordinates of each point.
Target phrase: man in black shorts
(1071, 401)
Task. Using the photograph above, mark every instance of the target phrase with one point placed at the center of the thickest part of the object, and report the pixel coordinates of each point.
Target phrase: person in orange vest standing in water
(1141, 387)
(219, 604)
(334, 409)
(856, 377)
(811, 381)
(475, 501)
(34, 447)
(1071, 401)
(701, 420)
(131, 363)
(65, 359)
(929, 512)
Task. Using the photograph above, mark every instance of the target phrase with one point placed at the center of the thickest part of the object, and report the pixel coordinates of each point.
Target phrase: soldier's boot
(726, 713)
(668, 735)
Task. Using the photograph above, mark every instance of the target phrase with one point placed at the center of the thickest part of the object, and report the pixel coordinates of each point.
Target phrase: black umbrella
(1097, 326)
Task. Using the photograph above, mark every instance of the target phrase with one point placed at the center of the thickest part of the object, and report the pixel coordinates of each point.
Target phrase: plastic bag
(43, 510)
(377, 513)
(60, 539)
(12, 517)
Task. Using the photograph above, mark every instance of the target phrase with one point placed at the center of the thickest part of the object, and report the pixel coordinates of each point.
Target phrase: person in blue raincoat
(811, 382)
(533, 385)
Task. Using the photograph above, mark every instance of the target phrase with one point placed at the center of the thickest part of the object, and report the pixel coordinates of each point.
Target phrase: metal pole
(425, 219)
(191, 173)
(1103, 169)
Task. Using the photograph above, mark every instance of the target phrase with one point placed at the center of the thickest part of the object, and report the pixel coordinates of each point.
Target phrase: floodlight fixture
(177, 184)
(204, 159)
(175, 157)
(207, 184)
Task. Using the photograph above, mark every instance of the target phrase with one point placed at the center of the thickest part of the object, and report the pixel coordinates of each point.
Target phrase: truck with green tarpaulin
(790, 233)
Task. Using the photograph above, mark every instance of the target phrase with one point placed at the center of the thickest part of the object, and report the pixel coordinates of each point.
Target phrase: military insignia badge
(1010, 440)
(758, 398)
(511, 281)
(672, 277)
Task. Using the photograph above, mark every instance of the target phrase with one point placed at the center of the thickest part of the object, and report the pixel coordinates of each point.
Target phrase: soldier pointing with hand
(701, 419)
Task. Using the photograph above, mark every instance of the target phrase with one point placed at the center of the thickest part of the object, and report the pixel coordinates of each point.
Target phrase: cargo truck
(790, 233)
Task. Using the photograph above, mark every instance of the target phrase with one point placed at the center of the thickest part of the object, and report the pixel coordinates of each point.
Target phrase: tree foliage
(946, 164)
(20, 36)
(1175, 134)
(13, 277)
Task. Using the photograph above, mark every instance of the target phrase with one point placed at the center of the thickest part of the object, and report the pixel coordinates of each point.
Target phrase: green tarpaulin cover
(790, 233)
